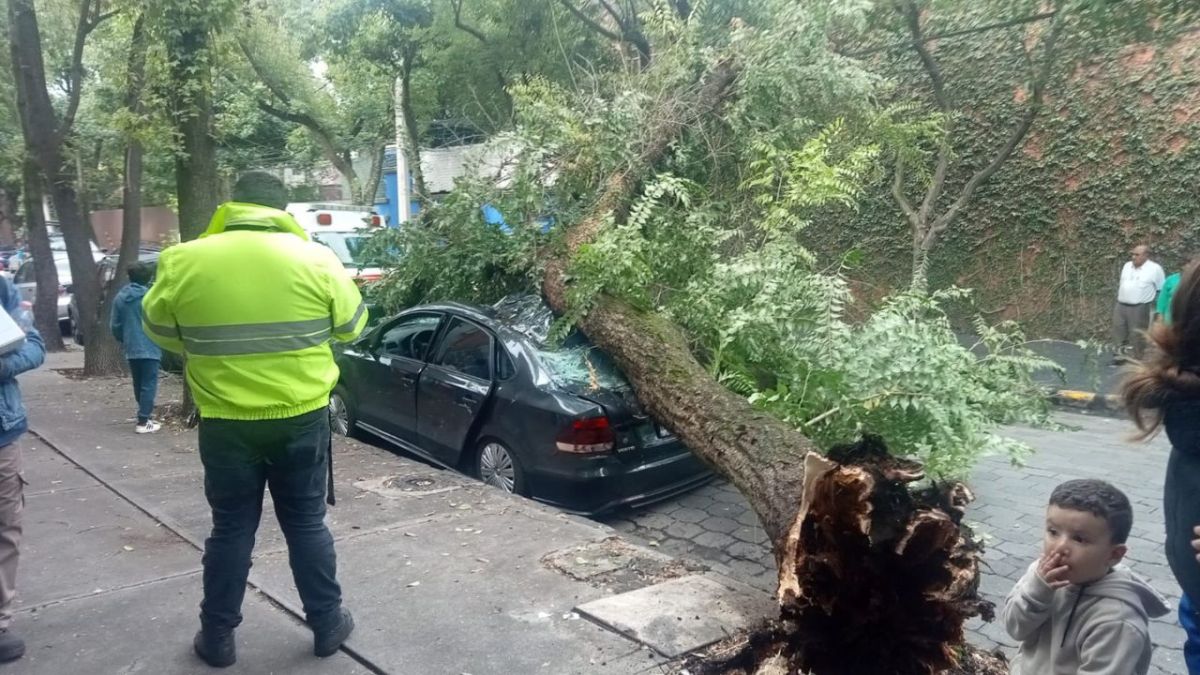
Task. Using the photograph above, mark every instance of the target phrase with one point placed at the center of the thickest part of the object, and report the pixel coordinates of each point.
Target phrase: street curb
(1108, 405)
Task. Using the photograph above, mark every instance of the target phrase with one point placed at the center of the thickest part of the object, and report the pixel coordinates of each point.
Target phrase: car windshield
(348, 246)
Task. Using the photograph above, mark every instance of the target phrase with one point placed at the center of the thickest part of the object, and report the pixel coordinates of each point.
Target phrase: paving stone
(714, 540)
(683, 530)
(748, 551)
(752, 535)
(691, 515)
(719, 524)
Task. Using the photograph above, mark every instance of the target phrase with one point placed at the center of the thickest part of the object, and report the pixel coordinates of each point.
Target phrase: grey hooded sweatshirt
(1101, 628)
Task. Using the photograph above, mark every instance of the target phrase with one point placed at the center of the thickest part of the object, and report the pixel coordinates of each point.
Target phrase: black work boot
(11, 646)
(327, 642)
(215, 647)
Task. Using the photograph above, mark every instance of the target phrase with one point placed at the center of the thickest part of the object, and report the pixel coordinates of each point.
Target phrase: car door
(387, 395)
(25, 283)
(453, 388)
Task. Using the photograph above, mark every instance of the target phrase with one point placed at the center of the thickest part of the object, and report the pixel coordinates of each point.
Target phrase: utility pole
(404, 207)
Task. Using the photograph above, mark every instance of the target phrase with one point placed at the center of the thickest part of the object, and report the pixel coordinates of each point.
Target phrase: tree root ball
(875, 576)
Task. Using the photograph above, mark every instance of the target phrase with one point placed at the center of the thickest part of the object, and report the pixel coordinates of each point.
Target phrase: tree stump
(874, 577)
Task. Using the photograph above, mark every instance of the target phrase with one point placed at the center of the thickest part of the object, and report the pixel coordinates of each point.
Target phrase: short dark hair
(141, 273)
(260, 187)
(1100, 499)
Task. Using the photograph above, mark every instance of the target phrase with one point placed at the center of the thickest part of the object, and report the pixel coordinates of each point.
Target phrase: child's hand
(1052, 568)
(1196, 541)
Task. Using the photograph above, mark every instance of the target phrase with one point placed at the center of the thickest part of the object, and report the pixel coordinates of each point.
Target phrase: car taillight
(586, 437)
(324, 219)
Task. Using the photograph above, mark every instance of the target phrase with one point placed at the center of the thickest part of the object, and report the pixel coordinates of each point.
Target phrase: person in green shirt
(1163, 308)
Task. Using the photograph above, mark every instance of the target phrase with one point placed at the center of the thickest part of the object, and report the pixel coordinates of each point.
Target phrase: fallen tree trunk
(868, 570)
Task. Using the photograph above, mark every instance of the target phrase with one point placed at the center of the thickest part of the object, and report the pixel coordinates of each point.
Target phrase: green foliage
(1112, 160)
(716, 239)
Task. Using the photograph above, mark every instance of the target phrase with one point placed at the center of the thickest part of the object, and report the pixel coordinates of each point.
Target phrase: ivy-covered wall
(1112, 161)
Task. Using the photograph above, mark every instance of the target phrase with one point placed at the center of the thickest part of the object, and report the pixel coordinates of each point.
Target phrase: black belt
(1134, 304)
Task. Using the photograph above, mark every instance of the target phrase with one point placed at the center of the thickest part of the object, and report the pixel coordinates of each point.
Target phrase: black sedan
(478, 389)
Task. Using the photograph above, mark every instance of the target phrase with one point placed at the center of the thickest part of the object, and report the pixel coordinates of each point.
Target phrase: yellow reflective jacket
(253, 304)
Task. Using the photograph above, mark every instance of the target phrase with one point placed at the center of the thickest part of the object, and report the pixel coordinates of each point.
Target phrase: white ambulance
(345, 228)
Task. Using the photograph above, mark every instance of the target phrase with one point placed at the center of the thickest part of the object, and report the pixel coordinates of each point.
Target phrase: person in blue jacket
(30, 355)
(142, 354)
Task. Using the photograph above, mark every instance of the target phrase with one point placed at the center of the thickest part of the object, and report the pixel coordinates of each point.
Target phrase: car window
(505, 368)
(410, 337)
(466, 348)
(24, 274)
(348, 246)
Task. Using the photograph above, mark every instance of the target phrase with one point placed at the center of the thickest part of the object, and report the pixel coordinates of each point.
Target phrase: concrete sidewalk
(444, 574)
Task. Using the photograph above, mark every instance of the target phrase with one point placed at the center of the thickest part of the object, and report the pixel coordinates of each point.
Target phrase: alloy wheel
(339, 415)
(496, 467)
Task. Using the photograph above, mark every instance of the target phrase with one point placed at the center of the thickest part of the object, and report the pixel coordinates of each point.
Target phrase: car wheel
(341, 414)
(497, 466)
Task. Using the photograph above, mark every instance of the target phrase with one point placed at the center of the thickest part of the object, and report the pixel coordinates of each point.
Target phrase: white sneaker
(148, 428)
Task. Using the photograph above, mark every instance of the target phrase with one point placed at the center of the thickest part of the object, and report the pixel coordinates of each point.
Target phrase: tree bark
(197, 181)
(108, 357)
(45, 305)
(367, 196)
(10, 197)
(45, 138)
(872, 577)
(412, 134)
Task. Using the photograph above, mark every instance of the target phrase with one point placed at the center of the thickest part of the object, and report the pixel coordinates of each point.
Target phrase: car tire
(342, 419)
(498, 466)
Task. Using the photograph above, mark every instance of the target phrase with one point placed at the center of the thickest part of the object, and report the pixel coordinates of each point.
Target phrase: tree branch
(938, 82)
(476, 33)
(591, 23)
(1034, 18)
(898, 194)
(75, 80)
(912, 18)
(1014, 139)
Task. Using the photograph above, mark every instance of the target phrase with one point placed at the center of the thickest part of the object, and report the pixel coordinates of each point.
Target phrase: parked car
(26, 284)
(105, 269)
(478, 389)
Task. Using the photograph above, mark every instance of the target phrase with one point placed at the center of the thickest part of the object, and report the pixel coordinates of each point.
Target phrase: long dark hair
(1171, 371)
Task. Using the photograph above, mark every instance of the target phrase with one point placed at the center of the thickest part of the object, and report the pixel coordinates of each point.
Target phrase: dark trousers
(240, 458)
(145, 386)
(1190, 622)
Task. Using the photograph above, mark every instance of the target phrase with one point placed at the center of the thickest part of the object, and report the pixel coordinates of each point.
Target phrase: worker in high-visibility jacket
(253, 305)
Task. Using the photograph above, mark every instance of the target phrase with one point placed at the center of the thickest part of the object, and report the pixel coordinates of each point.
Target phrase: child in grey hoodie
(1077, 610)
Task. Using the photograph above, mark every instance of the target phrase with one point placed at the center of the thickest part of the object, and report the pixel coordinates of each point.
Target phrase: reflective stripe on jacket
(253, 304)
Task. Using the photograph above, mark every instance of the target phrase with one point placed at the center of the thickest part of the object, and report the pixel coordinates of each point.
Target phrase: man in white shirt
(1141, 281)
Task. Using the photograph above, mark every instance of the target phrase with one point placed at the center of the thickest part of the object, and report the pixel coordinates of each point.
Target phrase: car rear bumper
(594, 485)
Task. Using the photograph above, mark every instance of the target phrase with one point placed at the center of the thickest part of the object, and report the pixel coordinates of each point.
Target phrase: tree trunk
(10, 197)
(412, 134)
(45, 305)
(367, 196)
(913, 566)
(108, 358)
(197, 181)
(45, 136)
